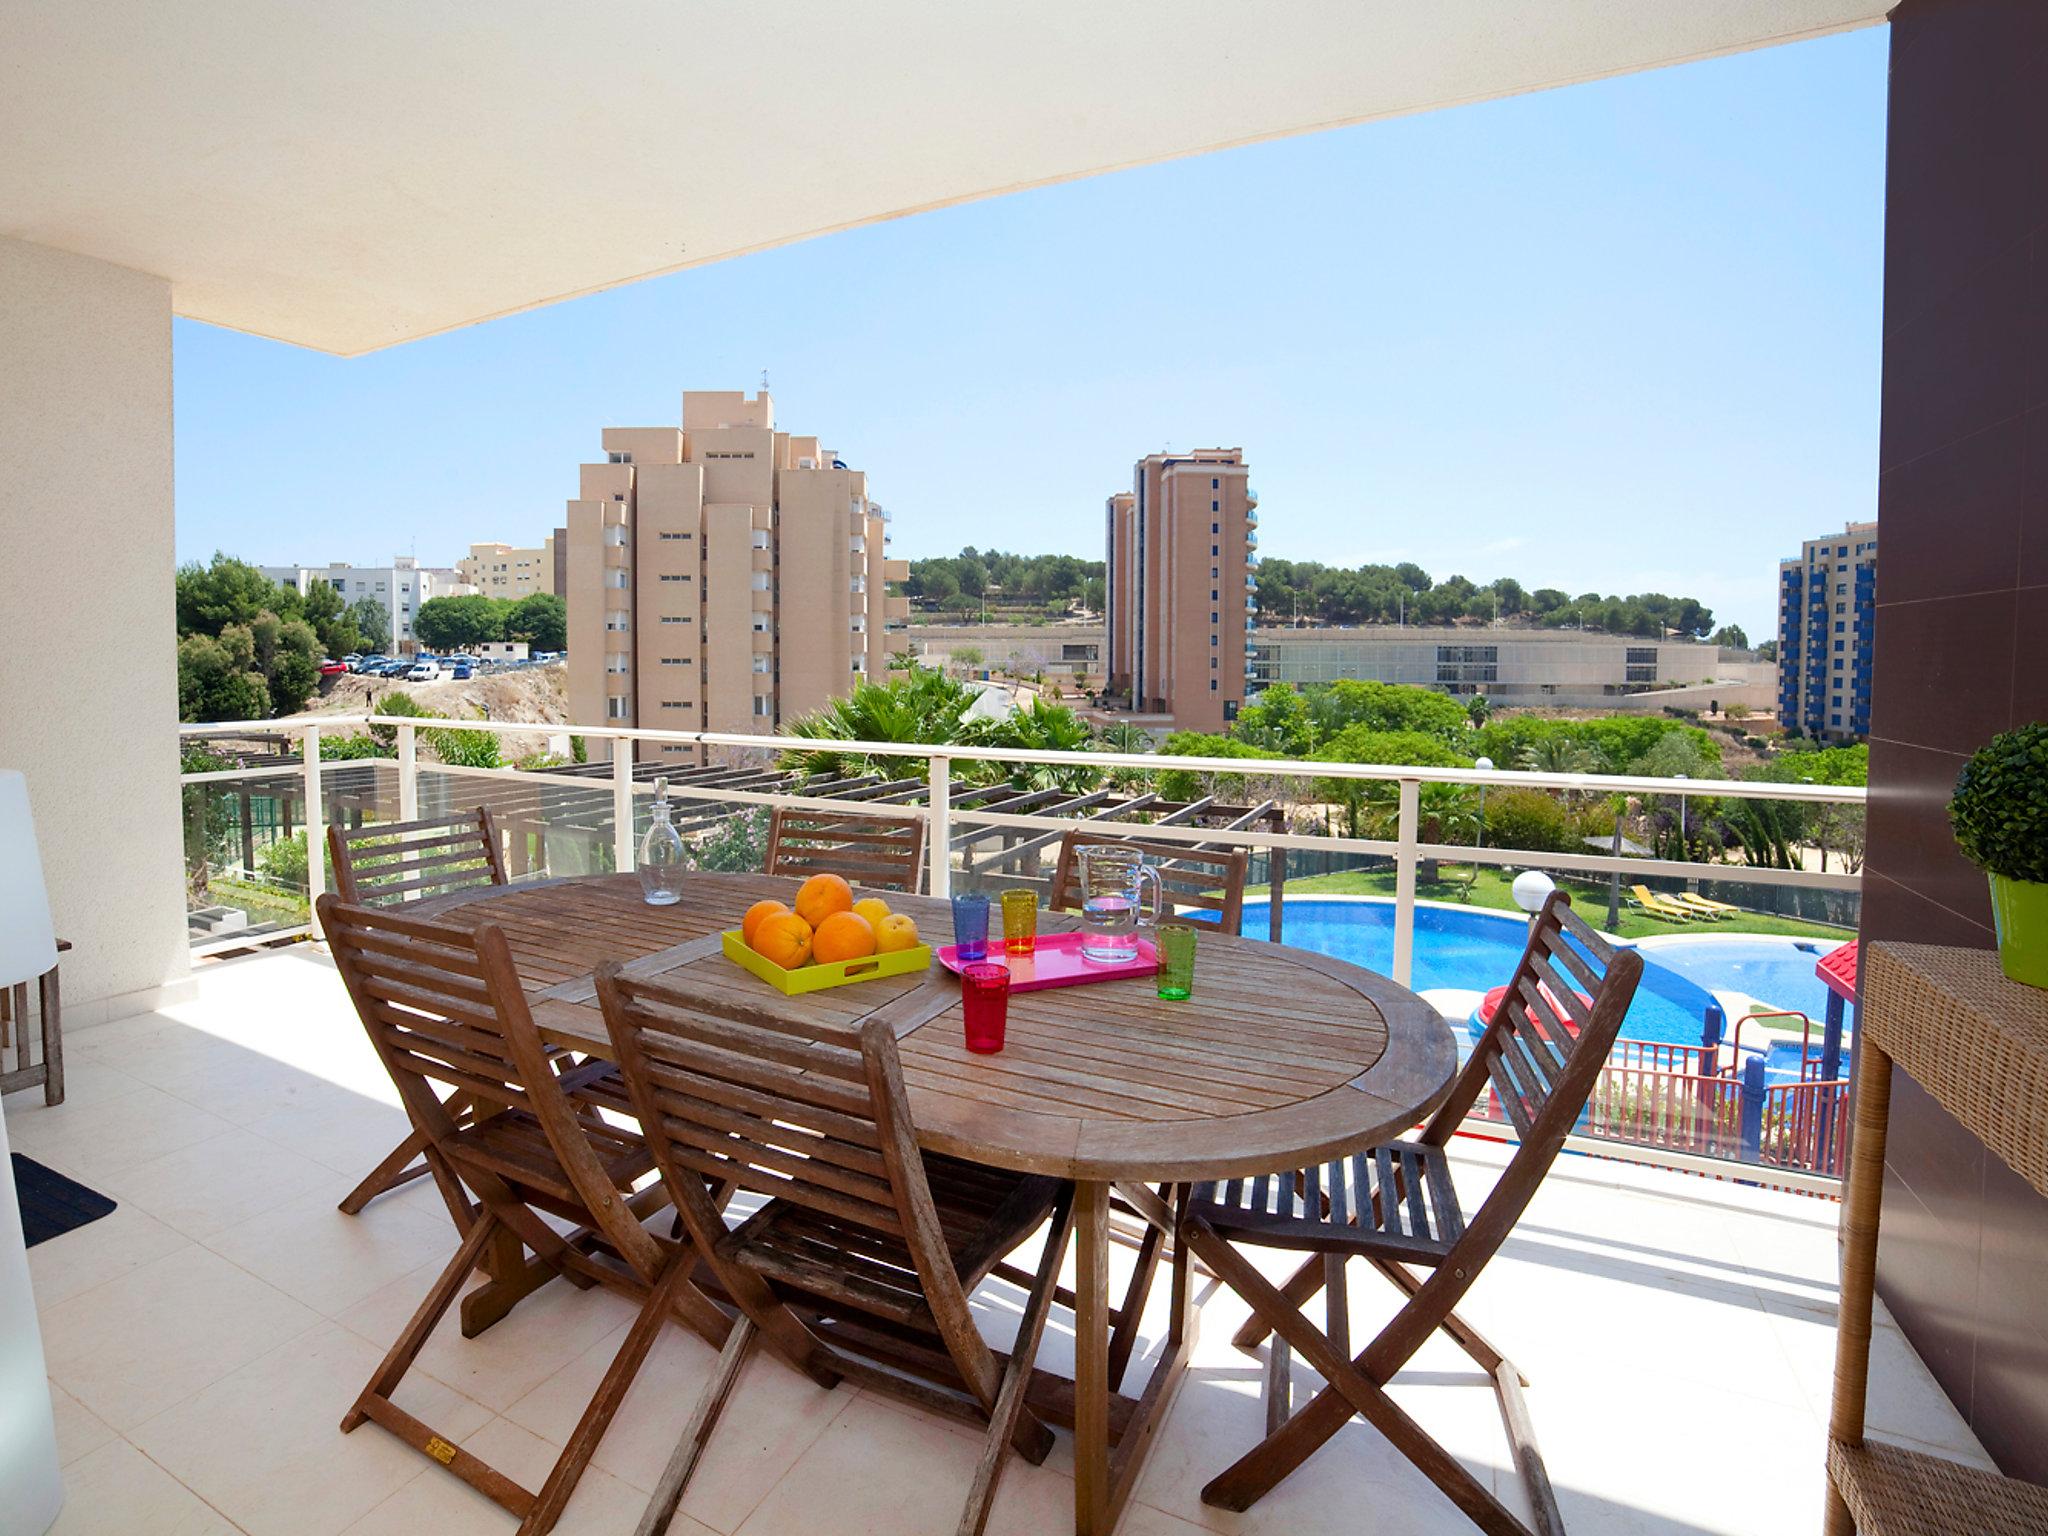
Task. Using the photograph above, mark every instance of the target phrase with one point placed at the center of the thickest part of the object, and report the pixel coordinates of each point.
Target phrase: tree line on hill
(966, 580)
(1324, 594)
(1406, 593)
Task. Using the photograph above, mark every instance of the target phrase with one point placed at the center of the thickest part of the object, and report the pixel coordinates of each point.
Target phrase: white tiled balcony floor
(205, 1339)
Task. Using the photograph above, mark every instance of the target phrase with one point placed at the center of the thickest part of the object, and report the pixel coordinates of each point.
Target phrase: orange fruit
(822, 895)
(874, 909)
(755, 914)
(784, 938)
(843, 936)
(894, 932)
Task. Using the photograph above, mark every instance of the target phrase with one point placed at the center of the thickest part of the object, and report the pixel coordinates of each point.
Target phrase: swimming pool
(1474, 949)
(1775, 972)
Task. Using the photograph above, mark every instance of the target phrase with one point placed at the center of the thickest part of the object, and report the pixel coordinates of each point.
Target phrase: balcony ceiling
(351, 176)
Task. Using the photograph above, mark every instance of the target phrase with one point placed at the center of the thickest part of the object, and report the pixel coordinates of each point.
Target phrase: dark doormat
(52, 1204)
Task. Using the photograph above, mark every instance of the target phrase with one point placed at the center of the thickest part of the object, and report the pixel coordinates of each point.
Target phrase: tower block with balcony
(1181, 557)
(723, 576)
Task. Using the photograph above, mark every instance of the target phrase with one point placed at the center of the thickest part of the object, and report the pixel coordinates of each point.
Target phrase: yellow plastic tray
(837, 973)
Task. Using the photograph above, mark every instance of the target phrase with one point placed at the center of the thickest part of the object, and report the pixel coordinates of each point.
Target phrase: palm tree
(1444, 815)
(1557, 754)
(921, 705)
(1043, 727)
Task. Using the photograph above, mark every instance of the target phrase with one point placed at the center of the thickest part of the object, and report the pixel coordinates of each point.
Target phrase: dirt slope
(537, 694)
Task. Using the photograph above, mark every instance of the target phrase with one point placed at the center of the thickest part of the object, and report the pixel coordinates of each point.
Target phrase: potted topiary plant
(2000, 817)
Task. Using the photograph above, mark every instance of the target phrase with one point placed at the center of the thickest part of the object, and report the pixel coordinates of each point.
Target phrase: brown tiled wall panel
(1962, 644)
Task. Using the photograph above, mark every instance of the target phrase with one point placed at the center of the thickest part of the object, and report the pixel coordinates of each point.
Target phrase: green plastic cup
(1176, 961)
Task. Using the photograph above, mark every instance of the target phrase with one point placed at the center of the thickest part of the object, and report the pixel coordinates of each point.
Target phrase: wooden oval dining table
(1282, 1058)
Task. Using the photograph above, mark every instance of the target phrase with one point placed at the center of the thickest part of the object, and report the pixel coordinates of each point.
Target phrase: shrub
(1530, 820)
(2000, 809)
(737, 845)
(1181, 784)
(285, 860)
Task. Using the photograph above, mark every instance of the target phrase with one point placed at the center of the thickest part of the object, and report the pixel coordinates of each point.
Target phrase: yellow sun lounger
(1658, 906)
(1717, 910)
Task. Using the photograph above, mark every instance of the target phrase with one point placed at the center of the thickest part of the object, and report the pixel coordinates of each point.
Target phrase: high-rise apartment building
(502, 570)
(1181, 550)
(723, 576)
(1827, 613)
(399, 588)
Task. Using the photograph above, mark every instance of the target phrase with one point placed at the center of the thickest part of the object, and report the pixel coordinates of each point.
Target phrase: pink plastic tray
(1057, 963)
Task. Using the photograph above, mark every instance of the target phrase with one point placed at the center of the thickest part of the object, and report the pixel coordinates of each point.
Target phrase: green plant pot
(2019, 908)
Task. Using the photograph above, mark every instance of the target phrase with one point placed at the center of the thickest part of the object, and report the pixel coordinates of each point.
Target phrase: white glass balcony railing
(1729, 1084)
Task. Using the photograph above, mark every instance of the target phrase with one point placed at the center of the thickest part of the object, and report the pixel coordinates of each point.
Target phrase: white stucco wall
(88, 669)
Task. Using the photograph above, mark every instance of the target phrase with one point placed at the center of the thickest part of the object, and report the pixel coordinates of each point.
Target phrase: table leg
(1092, 1509)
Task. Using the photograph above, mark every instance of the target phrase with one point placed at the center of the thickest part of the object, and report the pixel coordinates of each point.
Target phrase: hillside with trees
(965, 582)
(1406, 593)
(249, 648)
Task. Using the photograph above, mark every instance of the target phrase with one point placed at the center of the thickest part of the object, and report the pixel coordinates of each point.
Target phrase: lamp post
(1484, 765)
(1684, 848)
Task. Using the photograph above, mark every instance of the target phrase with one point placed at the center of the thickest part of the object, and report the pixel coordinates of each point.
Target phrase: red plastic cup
(985, 998)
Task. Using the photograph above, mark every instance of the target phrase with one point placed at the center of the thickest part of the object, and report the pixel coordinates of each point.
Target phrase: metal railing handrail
(1250, 767)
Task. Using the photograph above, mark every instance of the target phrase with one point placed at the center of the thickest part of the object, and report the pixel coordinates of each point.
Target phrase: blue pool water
(1777, 973)
(1476, 950)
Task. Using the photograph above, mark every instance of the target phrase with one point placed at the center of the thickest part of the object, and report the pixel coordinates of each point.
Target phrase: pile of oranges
(827, 926)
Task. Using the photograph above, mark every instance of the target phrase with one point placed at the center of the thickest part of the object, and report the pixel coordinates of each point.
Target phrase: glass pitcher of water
(1113, 884)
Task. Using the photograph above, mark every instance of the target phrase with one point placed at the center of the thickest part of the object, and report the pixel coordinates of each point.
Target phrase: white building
(400, 587)
(1523, 668)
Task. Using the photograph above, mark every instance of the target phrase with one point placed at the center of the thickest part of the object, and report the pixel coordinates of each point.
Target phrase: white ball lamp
(1531, 889)
(34, 1492)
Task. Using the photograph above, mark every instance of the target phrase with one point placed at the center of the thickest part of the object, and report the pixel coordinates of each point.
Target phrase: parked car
(462, 670)
(428, 671)
(396, 668)
(329, 667)
(367, 664)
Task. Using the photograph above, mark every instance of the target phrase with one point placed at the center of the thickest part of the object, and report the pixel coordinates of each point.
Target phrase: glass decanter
(661, 855)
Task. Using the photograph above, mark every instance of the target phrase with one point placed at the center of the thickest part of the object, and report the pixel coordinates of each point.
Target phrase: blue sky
(1623, 336)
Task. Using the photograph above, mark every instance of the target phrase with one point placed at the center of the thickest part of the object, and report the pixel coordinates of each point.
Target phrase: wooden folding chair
(859, 1228)
(1393, 1206)
(384, 864)
(1206, 879)
(444, 1007)
(880, 852)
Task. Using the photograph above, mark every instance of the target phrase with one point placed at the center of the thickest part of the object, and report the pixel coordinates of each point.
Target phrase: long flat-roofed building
(1514, 668)
(723, 576)
(1180, 552)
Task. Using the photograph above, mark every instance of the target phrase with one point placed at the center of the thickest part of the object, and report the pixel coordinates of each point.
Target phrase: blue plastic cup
(970, 925)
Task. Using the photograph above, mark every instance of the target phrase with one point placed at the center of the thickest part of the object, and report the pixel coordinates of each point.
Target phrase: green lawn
(1589, 898)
